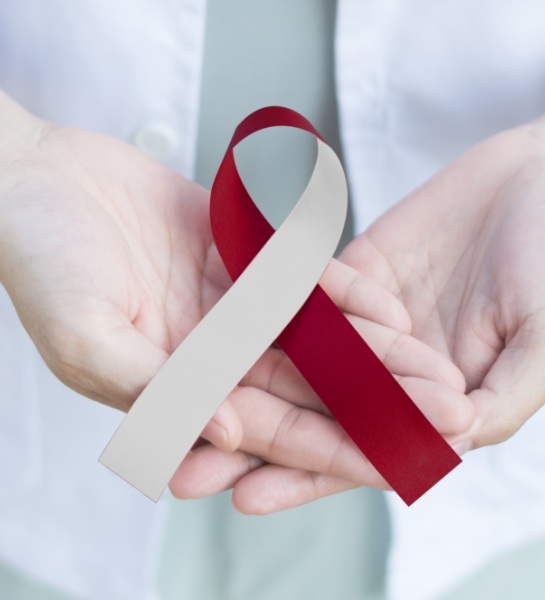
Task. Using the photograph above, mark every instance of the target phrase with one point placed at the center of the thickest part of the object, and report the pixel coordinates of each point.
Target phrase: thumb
(112, 362)
(359, 295)
(513, 389)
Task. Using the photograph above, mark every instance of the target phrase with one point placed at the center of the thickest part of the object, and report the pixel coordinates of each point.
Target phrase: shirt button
(156, 139)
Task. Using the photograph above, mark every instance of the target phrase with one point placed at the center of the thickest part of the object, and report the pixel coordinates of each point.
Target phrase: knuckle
(285, 429)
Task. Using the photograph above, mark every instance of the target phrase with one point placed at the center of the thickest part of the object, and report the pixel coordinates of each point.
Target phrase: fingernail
(462, 447)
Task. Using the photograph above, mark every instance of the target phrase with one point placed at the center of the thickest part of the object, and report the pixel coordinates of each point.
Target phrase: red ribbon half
(352, 382)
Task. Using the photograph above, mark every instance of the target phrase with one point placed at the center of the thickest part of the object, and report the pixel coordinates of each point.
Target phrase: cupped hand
(108, 258)
(464, 253)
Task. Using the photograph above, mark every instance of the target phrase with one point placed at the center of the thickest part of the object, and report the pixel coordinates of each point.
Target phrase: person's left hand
(464, 253)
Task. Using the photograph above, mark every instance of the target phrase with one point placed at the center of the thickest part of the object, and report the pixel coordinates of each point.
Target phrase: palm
(464, 254)
(137, 264)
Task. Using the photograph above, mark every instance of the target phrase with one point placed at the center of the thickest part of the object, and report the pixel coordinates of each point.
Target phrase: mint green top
(257, 54)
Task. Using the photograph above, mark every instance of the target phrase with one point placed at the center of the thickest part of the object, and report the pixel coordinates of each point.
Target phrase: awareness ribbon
(275, 297)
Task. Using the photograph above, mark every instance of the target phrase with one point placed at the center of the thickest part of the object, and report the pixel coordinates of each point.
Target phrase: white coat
(417, 83)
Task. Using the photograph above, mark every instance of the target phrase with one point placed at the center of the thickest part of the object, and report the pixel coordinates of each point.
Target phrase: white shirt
(131, 69)
(417, 83)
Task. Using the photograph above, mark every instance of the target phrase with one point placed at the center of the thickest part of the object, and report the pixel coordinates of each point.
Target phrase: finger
(363, 256)
(272, 488)
(402, 355)
(207, 470)
(258, 488)
(358, 295)
(355, 294)
(276, 374)
(299, 438)
(288, 435)
(224, 430)
(449, 411)
(303, 439)
(405, 355)
(512, 391)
